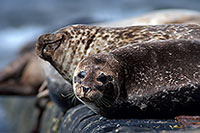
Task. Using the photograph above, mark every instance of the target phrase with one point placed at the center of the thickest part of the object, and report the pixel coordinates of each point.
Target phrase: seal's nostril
(103, 78)
(85, 89)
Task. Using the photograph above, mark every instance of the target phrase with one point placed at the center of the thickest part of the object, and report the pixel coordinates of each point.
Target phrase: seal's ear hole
(82, 74)
(103, 78)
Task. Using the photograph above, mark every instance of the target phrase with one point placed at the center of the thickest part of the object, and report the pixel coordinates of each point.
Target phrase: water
(22, 21)
(12, 39)
(17, 114)
(5, 125)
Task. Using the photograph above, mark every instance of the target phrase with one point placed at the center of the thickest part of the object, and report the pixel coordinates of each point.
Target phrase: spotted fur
(79, 41)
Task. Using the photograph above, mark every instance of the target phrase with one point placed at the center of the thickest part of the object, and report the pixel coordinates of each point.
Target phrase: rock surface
(10, 110)
(82, 119)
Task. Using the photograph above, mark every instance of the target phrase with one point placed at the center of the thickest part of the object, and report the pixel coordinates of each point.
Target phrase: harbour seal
(145, 80)
(65, 48)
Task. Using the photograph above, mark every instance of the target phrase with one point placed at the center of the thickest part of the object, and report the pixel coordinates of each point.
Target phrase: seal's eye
(103, 78)
(81, 74)
(45, 50)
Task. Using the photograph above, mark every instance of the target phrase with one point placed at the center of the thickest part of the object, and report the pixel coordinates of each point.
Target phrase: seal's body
(65, 48)
(146, 80)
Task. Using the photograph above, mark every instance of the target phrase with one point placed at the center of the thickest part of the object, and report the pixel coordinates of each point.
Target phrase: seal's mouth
(48, 44)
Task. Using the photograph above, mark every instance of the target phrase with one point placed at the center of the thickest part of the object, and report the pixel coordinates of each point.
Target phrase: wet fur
(161, 79)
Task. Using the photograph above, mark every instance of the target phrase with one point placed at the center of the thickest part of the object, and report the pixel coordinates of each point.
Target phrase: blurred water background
(22, 21)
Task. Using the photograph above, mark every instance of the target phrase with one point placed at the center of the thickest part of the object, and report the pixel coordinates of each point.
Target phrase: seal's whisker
(69, 95)
(98, 102)
(74, 99)
(106, 102)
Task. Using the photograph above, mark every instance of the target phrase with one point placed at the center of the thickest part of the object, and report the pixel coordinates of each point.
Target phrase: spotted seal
(145, 80)
(65, 48)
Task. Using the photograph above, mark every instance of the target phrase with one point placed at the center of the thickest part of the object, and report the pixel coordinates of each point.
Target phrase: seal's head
(48, 44)
(64, 48)
(97, 81)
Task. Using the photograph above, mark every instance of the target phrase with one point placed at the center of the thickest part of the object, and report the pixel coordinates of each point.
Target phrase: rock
(51, 119)
(10, 109)
(82, 119)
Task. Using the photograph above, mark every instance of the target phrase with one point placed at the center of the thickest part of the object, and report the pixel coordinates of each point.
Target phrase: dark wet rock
(82, 119)
(19, 114)
(51, 119)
